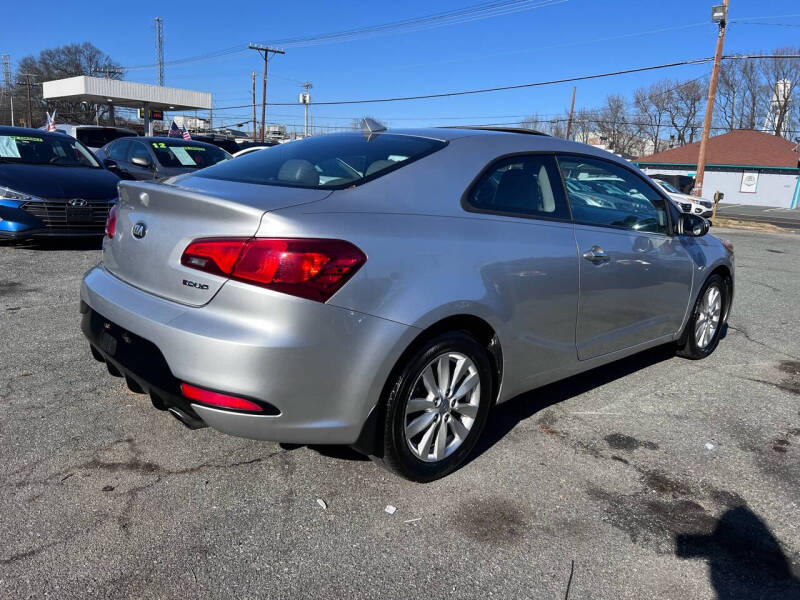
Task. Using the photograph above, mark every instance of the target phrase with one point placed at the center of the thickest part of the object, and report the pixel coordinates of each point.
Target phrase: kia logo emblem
(77, 202)
(139, 230)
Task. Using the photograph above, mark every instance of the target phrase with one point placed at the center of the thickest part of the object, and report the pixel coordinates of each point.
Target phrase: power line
(696, 61)
(452, 17)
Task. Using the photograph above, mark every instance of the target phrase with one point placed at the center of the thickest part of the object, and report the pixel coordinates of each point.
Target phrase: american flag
(51, 121)
(174, 131)
(186, 135)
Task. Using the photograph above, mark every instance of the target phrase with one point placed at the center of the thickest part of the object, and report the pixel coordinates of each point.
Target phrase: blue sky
(569, 38)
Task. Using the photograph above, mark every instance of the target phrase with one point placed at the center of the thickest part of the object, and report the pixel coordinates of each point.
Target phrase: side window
(602, 193)
(118, 150)
(521, 185)
(139, 151)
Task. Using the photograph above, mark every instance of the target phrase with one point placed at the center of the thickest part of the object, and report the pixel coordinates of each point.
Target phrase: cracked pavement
(607, 476)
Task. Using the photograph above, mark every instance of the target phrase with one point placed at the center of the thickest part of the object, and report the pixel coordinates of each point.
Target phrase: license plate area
(79, 214)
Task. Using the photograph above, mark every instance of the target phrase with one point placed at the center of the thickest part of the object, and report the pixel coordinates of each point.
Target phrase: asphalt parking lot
(655, 477)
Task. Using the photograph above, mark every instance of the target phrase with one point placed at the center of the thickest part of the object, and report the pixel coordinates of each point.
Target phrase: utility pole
(254, 105)
(27, 77)
(571, 112)
(305, 99)
(160, 49)
(264, 51)
(719, 15)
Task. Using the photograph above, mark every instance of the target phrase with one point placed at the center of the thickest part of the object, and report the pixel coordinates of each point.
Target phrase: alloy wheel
(442, 406)
(708, 317)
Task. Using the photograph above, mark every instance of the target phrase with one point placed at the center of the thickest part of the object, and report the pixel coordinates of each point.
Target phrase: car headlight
(9, 194)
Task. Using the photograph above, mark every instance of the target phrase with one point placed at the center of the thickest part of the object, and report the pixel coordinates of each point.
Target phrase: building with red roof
(748, 166)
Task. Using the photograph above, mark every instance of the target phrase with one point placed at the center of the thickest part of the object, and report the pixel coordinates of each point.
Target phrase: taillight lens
(217, 399)
(213, 256)
(111, 221)
(309, 268)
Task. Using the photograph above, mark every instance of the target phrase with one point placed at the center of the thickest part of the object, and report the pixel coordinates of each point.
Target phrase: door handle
(596, 255)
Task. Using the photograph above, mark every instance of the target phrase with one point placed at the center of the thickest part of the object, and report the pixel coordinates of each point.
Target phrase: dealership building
(748, 166)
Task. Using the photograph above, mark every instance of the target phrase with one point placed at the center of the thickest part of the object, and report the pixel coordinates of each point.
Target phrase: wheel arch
(369, 441)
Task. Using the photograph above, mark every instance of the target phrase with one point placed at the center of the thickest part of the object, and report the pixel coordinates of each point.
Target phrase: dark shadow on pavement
(745, 559)
(331, 451)
(505, 416)
(94, 242)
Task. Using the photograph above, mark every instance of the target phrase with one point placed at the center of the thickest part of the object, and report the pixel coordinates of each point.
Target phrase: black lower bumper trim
(139, 361)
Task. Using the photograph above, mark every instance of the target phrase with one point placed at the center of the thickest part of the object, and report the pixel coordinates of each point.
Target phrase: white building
(748, 166)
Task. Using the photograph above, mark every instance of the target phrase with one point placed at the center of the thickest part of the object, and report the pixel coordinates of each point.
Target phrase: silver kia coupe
(386, 288)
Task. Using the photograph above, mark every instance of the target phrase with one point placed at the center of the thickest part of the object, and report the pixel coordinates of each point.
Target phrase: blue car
(51, 185)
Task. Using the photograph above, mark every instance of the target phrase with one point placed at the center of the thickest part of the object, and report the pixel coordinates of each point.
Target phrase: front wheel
(705, 325)
(437, 407)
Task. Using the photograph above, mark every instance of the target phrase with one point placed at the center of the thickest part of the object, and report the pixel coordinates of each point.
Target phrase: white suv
(687, 203)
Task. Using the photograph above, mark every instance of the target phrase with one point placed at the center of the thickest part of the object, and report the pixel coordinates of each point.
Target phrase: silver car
(386, 289)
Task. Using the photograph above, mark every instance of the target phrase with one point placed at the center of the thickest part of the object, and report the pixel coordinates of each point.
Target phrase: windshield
(668, 186)
(329, 161)
(185, 154)
(97, 138)
(58, 150)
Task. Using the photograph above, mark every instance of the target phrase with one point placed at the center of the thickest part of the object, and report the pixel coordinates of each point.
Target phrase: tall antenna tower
(5, 60)
(160, 49)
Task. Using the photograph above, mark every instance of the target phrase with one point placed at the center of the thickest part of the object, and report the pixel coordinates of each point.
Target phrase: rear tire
(701, 336)
(436, 407)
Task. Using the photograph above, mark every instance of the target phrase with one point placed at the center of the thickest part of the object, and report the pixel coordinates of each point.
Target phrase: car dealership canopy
(126, 93)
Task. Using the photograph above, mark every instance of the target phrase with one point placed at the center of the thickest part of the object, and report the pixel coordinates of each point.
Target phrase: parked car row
(52, 184)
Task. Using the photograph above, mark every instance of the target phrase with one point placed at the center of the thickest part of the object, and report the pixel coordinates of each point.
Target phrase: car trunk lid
(155, 223)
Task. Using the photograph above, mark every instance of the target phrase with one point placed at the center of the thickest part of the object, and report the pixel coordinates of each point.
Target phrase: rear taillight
(111, 221)
(219, 400)
(309, 268)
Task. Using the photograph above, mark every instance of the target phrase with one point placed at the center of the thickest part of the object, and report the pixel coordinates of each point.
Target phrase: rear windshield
(57, 150)
(329, 161)
(187, 154)
(97, 138)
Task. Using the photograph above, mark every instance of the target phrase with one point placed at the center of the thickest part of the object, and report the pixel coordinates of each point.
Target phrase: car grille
(685, 206)
(58, 214)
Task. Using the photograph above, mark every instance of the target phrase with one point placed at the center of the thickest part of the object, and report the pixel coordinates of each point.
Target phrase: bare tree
(59, 63)
(683, 107)
(582, 124)
(534, 122)
(782, 75)
(614, 123)
(651, 104)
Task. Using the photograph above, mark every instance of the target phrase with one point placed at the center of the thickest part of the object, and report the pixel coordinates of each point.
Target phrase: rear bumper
(320, 366)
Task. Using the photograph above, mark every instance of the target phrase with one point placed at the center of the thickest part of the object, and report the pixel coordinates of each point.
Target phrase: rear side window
(520, 185)
(331, 161)
(119, 150)
(96, 138)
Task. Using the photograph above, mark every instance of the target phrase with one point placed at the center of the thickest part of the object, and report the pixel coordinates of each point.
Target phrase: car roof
(164, 138)
(9, 130)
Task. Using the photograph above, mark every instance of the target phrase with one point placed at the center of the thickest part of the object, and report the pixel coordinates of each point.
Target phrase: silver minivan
(386, 289)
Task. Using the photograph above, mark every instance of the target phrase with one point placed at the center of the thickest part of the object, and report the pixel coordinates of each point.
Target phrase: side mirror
(693, 225)
(111, 165)
(141, 161)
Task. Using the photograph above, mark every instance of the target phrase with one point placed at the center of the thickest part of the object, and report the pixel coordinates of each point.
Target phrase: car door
(139, 150)
(635, 276)
(531, 264)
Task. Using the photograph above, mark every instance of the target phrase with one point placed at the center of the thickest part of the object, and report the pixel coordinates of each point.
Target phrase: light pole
(719, 15)
(305, 100)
